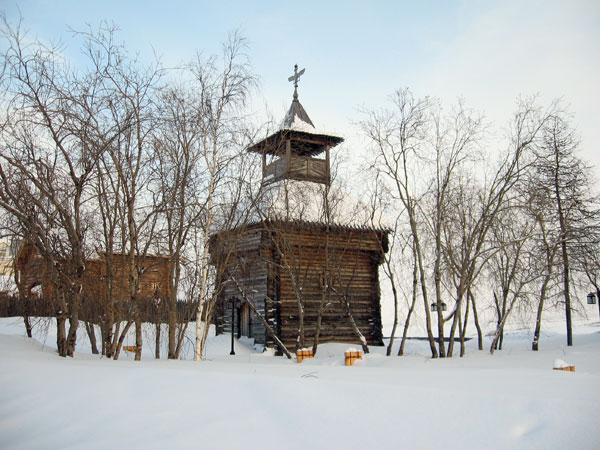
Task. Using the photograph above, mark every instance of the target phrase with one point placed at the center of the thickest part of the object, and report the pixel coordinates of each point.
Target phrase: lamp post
(232, 352)
(591, 300)
(434, 306)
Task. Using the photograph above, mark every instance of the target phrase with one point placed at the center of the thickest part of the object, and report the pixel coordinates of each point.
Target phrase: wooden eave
(276, 225)
(302, 143)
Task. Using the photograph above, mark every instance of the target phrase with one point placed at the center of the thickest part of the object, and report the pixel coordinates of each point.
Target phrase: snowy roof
(276, 222)
(297, 119)
(297, 127)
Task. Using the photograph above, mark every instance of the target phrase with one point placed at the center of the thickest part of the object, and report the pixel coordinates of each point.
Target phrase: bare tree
(454, 140)
(398, 137)
(52, 141)
(476, 208)
(547, 242)
(511, 267)
(180, 202)
(223, 86)
(562, 177)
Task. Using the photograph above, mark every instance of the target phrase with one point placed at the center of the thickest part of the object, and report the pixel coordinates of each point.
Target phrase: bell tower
(300, 151)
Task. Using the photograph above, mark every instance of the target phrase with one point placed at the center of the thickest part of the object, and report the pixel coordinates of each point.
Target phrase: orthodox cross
(295, 79)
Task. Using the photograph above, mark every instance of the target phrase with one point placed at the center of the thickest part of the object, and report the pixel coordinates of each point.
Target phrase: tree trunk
(73, 325)
(476, 321)
(463, 330)
(440, 312)
(138, 337)
(121, 339)
(567, 289)
(181, 335)
(115, 338)
(315, 345)
(27, 323)
(107, 334)
(103, 347)
(157, 342)
(455, 321)
(538, 317)
(410, 310)
(61, 334)
(300, 337)
(500, 328)
(270, 331)
(498, 319)
(459, 315)
(172, 321)
(363, 342)
(172, 331)
(395, 294)
(326, 279)
(89, 328)
(565, 254)
(598, 297)
(417, 250)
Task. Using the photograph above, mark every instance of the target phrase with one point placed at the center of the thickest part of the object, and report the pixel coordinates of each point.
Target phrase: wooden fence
(92, 310)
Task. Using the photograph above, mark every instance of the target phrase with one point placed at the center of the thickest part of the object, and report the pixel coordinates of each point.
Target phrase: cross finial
(295, 79)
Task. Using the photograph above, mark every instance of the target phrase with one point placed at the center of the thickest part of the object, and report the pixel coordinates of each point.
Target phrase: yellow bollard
(351, 356)
(566, 368)
(304, 353)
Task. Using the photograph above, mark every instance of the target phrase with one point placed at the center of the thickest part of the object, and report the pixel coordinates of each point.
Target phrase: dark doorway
(243, 322)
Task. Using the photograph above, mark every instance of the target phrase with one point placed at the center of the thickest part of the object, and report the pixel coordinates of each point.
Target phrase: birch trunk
(415, 282)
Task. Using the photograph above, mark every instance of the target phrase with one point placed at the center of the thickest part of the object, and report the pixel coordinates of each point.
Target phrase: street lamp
(232, 352)
(434, 306)
(591, 298)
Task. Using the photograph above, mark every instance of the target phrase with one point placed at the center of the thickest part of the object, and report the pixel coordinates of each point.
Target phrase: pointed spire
(303, 122)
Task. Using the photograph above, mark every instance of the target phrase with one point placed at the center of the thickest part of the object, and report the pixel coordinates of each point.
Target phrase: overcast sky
(357, 53)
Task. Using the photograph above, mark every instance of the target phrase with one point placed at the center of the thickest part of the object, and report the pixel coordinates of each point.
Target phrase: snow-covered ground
(512, 400)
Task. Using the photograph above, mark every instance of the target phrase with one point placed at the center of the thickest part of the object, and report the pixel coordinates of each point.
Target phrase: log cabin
(33, 276)
(279, 264)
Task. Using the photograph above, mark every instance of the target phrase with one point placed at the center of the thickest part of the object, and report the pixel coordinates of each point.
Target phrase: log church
(277, 279)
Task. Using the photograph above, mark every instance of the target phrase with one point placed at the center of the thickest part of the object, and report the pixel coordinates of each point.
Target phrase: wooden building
(274, 264)
(272, 267)
(33, 279)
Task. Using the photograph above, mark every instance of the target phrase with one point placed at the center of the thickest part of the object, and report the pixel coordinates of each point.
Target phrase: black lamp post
(591, 298)
(434, 306)
(232, 352)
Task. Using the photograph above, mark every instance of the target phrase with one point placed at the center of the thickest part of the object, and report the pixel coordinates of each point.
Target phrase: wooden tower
(296, 147)
(265, 269)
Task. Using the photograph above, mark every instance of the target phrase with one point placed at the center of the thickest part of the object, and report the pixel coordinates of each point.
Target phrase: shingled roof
(297, 119)
(296, 127)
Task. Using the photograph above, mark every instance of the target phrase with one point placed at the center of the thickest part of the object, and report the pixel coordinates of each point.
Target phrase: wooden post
(288, 155)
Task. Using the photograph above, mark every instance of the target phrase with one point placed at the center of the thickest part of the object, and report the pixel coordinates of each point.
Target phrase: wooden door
(245, 320)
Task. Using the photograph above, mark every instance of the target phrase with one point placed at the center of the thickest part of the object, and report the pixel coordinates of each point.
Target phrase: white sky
(358, 52)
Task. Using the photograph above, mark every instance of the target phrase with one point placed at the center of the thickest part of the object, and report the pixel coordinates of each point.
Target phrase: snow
(512, 399)
(560, 364)
(304, 127)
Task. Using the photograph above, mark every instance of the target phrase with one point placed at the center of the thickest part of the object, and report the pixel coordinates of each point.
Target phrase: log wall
(32, 271)
(274, 263)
